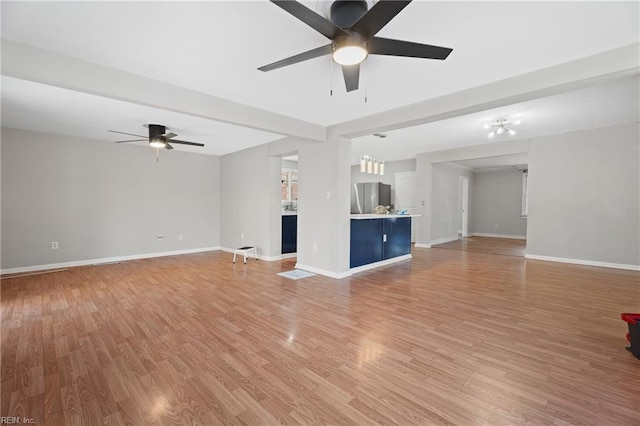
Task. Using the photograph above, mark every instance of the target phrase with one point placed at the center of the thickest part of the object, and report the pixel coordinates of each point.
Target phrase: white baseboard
(265, 258)
(103, 260)
(335, 275)
(584, 262)
(443, 240)
(422, 245)
(380, 264)
(511, 237)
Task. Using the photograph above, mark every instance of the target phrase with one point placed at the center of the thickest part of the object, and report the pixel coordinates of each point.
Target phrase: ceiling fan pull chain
(157, 155)
(364, 80)
(331, 79)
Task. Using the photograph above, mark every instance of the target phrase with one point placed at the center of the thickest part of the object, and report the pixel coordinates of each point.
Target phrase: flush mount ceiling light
(502, 126)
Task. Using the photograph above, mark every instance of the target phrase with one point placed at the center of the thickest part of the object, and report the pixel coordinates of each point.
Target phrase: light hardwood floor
(503, 246)
(451, 337)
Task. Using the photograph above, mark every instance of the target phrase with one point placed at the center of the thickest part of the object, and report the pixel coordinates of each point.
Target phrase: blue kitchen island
(379, 239)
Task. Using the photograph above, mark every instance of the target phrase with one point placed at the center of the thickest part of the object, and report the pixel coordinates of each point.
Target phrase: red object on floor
(633, 321)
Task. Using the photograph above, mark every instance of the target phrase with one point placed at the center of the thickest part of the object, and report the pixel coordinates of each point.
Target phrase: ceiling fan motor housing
(156, 130)
(345, 13)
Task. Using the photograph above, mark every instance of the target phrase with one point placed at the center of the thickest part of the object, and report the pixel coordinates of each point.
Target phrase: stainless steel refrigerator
(366, 196)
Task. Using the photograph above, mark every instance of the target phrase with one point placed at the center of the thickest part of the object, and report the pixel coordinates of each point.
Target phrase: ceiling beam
(53, 69)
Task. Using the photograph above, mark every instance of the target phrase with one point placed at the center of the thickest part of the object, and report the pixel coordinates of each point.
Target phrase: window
(525, 193)
(289, 189)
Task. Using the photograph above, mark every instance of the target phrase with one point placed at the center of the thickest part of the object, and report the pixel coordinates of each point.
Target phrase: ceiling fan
(158, 137)
(352, 29)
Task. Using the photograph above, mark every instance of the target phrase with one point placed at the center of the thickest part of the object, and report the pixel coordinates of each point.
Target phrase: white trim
(444, 240)
(497, 169)
(104, 260)
(457, 166)
(271, 258)
(380, 263)
(511, 237)
(335, 275)
(422, 245)
(583, 262)
(288, 255)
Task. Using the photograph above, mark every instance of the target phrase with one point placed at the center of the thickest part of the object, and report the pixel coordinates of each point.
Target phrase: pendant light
(371, 165)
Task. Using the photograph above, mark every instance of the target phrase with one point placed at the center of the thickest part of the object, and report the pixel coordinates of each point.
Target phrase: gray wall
(246, 189)
(497, 203)
(584, 195)
(390, 170)
(102, 200)
(324, 206)
(446, 218)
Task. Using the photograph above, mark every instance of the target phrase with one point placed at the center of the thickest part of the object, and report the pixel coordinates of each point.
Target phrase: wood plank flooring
(451, 337)
(503, 246)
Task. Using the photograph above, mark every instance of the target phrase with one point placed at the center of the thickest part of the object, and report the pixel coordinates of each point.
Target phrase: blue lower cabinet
(366, 241)
(398, 232)
(373, 240)
(289, 234)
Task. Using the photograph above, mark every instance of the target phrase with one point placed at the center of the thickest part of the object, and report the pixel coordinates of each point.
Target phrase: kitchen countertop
(381, 216)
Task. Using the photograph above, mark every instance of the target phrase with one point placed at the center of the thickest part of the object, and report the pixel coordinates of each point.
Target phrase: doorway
(491, 195)
(463, 184)
(289, 205)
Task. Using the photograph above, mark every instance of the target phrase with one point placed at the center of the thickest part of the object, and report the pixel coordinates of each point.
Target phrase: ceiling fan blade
(377, 17)
(351, 75)
(123, 133)
(309, 54)
(311, 18)
(186, 143)
(387, 46)
(169, 135)
(133, 140)
(167, 146)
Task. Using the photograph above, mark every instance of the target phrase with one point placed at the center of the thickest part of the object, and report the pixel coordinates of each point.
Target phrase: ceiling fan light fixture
(157, 142)
(349, 50)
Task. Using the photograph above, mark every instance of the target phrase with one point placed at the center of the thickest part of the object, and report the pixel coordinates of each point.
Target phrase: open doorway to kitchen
(289, 205)
(480, 205)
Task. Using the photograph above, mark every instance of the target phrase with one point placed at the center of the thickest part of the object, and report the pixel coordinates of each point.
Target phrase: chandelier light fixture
(371, 165)
(502, 126)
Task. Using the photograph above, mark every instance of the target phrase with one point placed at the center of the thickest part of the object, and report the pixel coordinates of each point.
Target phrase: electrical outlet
(54, 245)
(315, 246)
(180, 237)
(242, 235)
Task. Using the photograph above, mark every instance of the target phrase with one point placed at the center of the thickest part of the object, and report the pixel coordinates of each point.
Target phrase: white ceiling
(596, 106)
(215, 48)
(42, 108)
